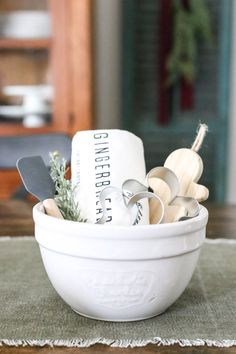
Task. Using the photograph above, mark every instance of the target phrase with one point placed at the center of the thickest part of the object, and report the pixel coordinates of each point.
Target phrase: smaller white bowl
(119, 273)
(25, 24)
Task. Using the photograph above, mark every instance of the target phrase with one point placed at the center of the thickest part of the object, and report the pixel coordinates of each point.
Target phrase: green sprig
(189, 25)
(65, 192)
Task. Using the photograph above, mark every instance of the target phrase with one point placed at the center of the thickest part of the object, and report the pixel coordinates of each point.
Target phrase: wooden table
(16, 220)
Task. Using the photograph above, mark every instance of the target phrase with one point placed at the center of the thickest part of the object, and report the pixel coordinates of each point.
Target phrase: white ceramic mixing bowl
(119, 273)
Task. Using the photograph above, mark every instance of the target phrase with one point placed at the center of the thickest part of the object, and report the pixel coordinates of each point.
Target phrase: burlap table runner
(31, 313)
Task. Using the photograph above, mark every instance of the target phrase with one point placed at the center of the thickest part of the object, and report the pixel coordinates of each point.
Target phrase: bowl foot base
(119, 319)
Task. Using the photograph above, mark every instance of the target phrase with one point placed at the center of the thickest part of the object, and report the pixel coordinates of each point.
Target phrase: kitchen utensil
(127, 209)
(176, 207)
(38, 182)
(188, 167)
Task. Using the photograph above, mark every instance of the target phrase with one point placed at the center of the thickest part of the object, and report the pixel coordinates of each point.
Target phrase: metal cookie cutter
(177, 208)
(125, 202)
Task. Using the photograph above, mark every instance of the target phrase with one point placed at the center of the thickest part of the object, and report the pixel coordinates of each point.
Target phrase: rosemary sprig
(65, 192)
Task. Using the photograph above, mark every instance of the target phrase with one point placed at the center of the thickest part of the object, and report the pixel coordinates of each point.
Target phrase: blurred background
(154, 67)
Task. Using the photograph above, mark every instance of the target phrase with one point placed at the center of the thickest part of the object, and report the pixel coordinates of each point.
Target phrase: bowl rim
(182, 227)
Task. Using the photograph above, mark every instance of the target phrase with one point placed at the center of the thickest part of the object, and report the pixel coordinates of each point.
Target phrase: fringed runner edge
(118, 343)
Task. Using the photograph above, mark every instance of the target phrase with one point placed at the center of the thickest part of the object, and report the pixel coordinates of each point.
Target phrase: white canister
(102, 158)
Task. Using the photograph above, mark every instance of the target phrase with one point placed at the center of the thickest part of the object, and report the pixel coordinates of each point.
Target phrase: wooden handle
(51, 208)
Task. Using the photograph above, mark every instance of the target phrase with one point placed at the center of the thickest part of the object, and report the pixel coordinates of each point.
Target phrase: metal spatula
(38, 182)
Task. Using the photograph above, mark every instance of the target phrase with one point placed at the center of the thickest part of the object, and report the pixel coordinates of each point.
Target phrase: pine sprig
(65, 193)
